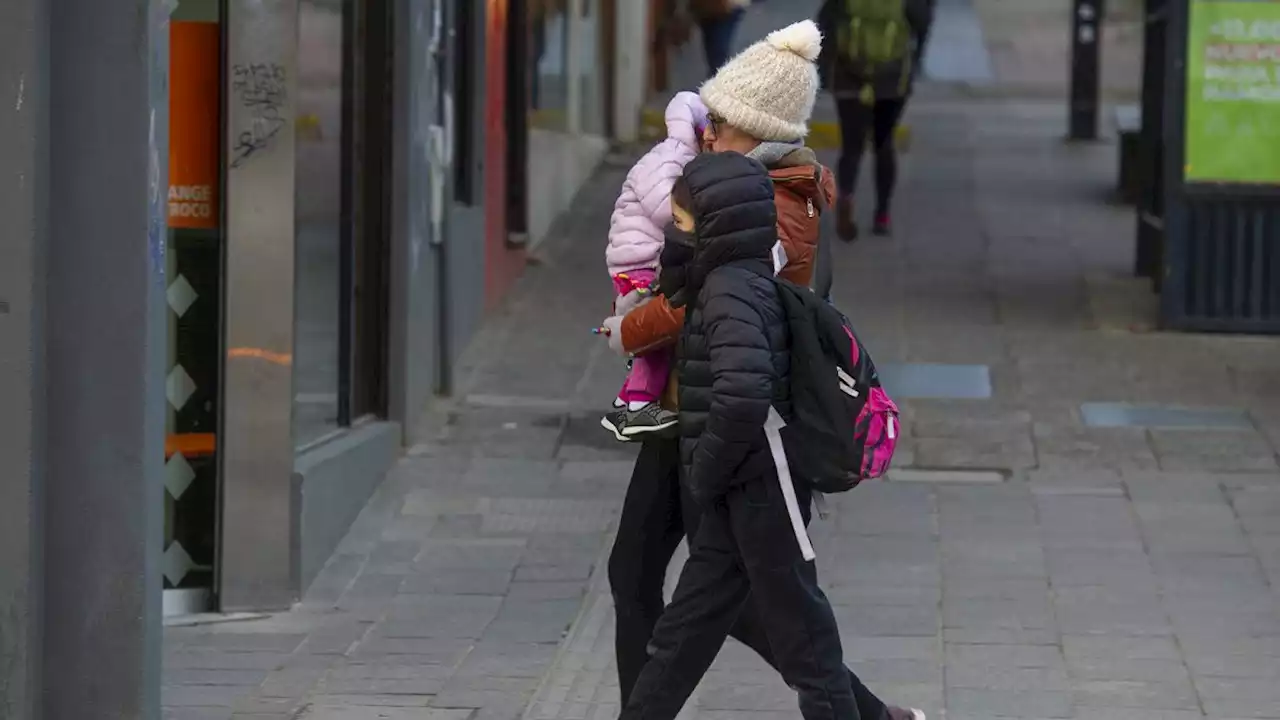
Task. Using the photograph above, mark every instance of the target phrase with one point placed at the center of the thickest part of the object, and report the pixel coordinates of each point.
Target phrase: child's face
(682, 218)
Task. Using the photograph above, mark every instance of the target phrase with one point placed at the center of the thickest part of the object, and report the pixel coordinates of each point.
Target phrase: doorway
(194, 298)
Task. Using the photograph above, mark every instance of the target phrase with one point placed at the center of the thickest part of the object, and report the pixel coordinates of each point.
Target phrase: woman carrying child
(759, 105)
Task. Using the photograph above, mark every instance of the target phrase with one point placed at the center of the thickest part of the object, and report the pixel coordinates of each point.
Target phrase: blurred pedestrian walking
(869, 65)
(718, 21)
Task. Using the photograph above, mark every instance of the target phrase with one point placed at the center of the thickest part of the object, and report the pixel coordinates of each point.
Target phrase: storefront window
(549, 77)
(194, 299)
(318, 281)
(344, 137)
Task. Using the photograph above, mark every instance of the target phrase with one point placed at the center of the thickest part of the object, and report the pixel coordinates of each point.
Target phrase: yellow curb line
(823, 135)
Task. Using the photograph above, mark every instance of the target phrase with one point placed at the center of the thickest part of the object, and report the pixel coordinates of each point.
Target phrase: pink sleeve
(643, 208)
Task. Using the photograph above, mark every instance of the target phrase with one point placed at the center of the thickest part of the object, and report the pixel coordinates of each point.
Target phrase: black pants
(717, 39)
(655, 516)
(856, 119)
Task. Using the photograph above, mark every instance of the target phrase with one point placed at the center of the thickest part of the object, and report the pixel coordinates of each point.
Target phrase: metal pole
(1086, 26)
(1150, 206)
(104, 340)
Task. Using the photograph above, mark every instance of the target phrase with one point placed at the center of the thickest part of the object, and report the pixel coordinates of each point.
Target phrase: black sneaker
(615, 421)
(651, 418)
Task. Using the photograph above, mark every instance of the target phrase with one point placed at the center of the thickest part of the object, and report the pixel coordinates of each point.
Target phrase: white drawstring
(772, 430)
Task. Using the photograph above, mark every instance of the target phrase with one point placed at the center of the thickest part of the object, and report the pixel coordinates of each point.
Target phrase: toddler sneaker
(615, 421)
(651, 418)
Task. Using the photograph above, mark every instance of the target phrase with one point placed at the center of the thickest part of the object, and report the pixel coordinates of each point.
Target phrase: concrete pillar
(573, 70)
(260, 556)
(104, 334)
(82, 138)
(631, 70)
(23, 238)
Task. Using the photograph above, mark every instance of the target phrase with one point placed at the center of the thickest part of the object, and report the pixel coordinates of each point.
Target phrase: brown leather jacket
(802, 189)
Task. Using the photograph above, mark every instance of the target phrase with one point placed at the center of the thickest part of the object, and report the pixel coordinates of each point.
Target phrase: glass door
(194, 274)
(342, 213)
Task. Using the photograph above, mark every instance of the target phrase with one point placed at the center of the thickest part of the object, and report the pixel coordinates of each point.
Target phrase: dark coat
(733, 354)
(891, 81)
(802, 190)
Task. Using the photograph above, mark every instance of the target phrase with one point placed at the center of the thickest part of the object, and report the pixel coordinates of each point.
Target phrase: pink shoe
(883, 227)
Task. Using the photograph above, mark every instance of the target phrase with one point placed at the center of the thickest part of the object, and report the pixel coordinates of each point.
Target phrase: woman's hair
(681, 195)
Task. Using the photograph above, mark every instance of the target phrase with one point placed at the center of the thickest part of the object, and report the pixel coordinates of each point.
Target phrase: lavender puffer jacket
(643, 208)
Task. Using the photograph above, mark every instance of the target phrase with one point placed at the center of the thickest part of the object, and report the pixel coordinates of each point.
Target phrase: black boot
(846, 227)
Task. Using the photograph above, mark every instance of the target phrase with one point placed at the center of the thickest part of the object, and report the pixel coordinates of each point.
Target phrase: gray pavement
(1030, 565)
(988, 48)
(451, 594)
(1117, 572)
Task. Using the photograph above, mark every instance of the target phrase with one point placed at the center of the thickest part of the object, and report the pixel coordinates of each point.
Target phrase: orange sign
(194, 89)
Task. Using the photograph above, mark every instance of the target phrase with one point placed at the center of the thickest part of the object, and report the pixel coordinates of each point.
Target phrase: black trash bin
(1221, 168)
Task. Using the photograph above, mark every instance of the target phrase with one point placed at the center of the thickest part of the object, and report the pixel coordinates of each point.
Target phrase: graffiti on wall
(260, 89)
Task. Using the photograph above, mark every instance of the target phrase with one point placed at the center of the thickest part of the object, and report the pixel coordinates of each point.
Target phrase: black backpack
(844, 426)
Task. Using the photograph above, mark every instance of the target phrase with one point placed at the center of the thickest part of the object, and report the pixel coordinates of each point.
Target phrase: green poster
(1233, 92)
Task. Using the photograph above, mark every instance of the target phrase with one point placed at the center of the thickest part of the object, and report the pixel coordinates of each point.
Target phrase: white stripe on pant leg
(772, 426)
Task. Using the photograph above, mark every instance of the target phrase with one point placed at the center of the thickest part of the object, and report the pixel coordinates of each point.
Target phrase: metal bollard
(1086, 32)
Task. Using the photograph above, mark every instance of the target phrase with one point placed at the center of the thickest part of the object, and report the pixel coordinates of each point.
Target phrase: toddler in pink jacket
(636, 232)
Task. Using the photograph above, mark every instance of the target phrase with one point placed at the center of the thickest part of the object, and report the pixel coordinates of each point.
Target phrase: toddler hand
(632, 300)
(613, 332)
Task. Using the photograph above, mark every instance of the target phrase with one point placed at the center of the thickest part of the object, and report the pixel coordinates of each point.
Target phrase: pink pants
(649, 372)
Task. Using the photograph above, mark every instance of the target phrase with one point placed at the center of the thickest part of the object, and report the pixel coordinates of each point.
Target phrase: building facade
(326, 195)
(235, 270)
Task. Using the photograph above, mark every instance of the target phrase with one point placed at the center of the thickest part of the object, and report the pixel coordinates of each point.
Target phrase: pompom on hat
(768, 90)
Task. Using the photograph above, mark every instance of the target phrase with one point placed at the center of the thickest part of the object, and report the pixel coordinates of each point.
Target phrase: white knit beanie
(768, 89)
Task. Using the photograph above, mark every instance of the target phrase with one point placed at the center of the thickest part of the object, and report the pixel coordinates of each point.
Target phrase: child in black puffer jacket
(733, 362)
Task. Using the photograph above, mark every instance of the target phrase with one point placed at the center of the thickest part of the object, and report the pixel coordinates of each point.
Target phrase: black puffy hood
(734, 215)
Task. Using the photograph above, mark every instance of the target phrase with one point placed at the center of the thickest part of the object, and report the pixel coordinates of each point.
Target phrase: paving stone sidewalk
(452, 593)
(1030, 46)
(988, 48)
(1029, 565)
(1119, 573)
